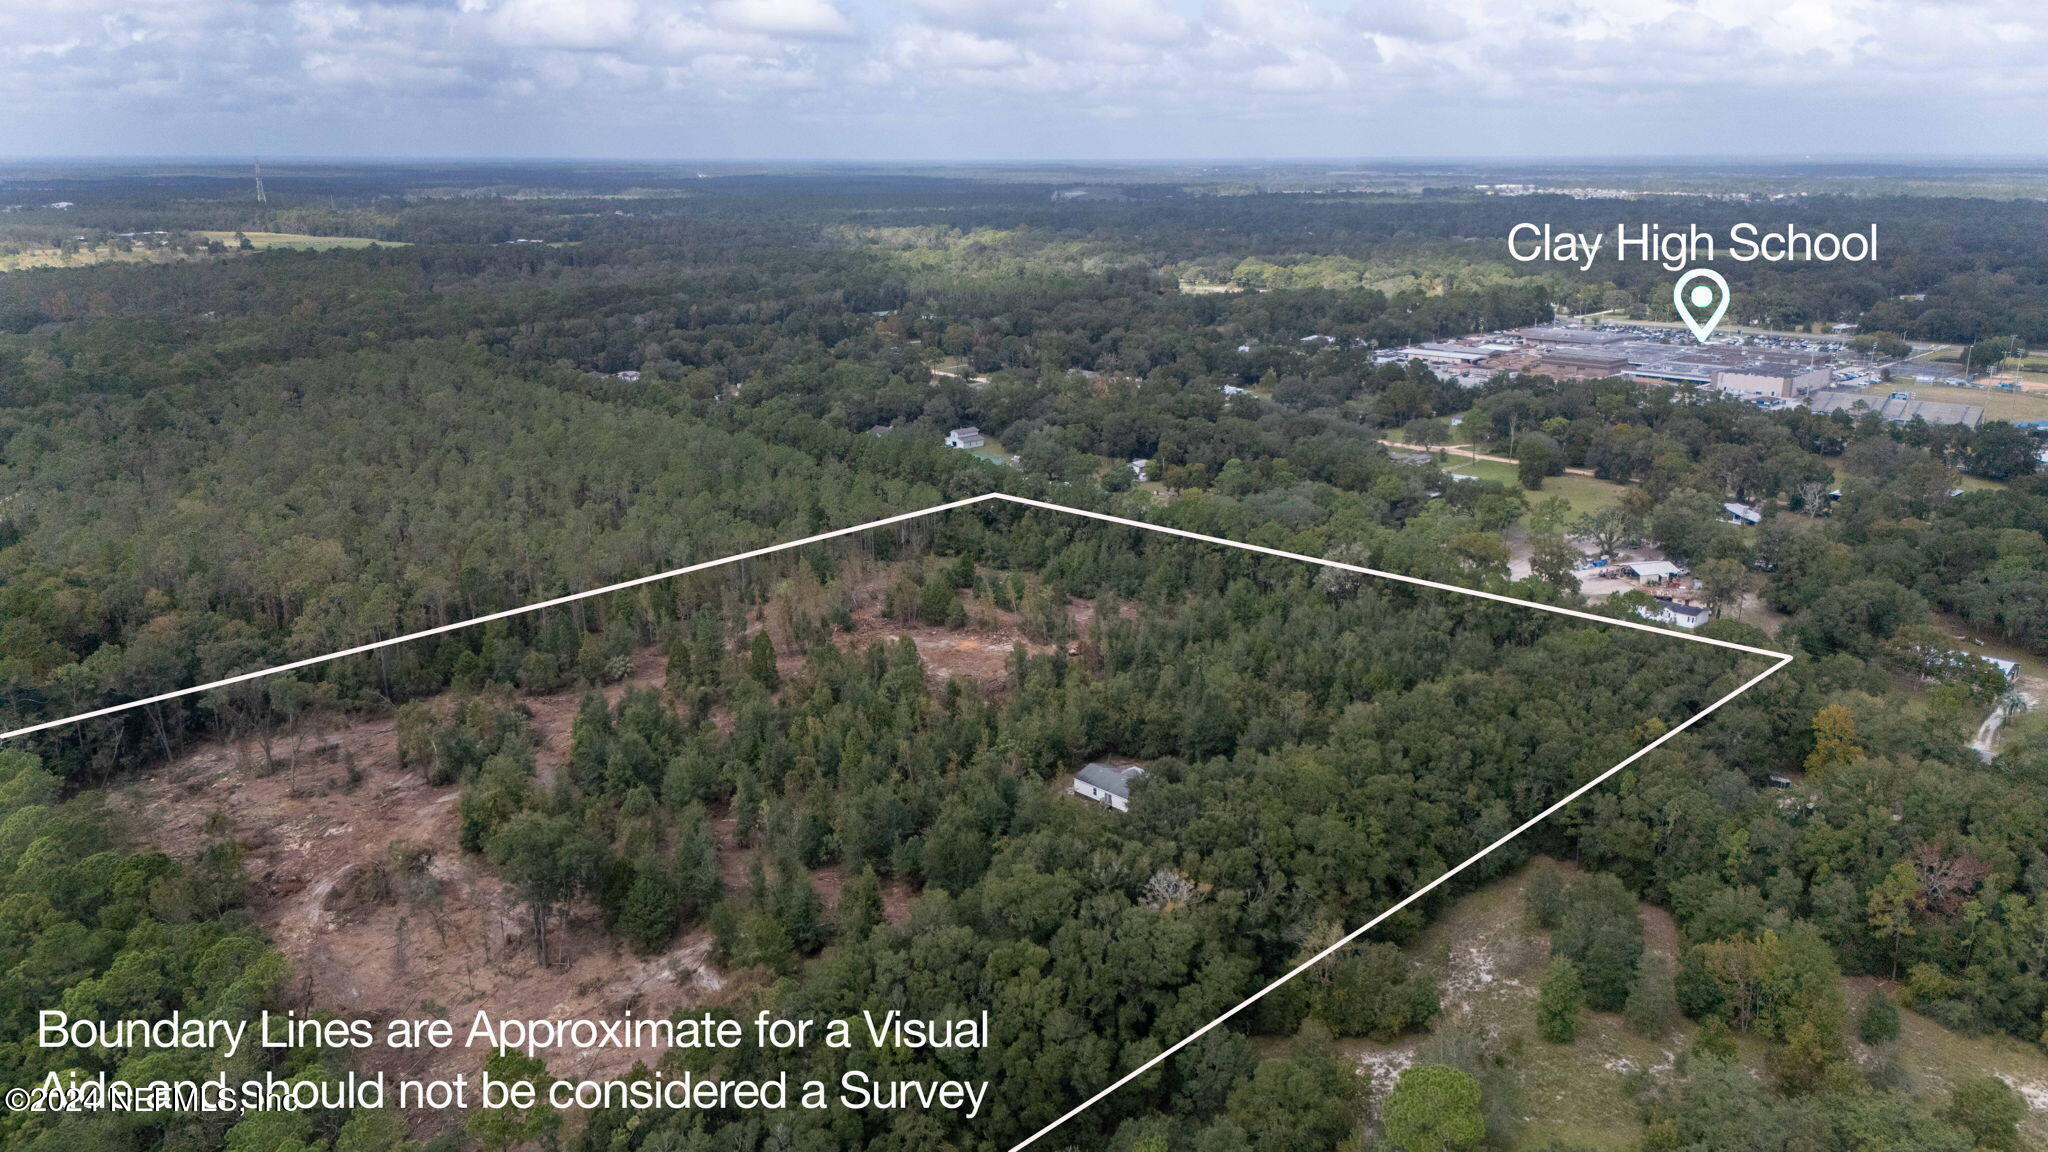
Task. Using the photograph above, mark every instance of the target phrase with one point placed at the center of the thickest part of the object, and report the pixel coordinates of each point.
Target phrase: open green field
(1950, 354)
(991, 449)
(1583, 493)
(298, 240)
(1997, 405)
(1488, 965)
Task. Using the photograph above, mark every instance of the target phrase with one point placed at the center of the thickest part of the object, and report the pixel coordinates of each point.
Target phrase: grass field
(264, 240)
(1583, 493)
(1997, 405)
(1949, 354)
(1488, 965)
(991, 449)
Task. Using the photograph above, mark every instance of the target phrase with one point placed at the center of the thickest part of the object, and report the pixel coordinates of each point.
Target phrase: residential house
(1107, 784)
(1676, 614)
(1734, 513)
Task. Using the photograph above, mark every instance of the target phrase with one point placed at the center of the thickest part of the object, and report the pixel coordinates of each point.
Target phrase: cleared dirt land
(450, 939)
(356, 874)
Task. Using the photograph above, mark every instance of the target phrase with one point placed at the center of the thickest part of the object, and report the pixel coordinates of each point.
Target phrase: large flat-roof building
(1739, 369)
(1783, 379)
(1584, 362)
(1729, 368)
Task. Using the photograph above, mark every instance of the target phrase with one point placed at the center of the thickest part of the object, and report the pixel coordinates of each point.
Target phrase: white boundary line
(458, 625)
(902, 517)
(1780, 660)
(1418, 894)
(1417, 580)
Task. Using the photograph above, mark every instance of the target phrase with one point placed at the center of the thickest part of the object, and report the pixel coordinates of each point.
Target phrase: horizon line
(1393, 160)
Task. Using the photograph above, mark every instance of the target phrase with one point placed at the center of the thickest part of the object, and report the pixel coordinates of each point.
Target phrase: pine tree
(761, 662)
(860, 905)
(1559, 1002)
(649, 916)
(1434, 1108)
(1543, 898)
(1653, 1001)
(1879, 1022)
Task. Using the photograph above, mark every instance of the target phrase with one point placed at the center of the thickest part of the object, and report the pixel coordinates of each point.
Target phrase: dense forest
(247, 457)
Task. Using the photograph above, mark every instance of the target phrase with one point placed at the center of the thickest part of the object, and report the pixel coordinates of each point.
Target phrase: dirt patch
(423, 930)
(357, 877)
(978, 652)
(830, 881)
(554, 716)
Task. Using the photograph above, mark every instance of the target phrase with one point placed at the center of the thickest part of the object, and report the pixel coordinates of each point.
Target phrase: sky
(995, 80)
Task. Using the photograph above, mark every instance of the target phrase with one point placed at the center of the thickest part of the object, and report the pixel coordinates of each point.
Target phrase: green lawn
(1997, 405)
(991, 449)
(297, 240)
(1583, 493)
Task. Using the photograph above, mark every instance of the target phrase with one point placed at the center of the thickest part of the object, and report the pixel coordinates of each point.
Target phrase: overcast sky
(990, 79)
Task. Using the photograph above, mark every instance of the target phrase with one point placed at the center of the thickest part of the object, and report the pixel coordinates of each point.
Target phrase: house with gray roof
(1107, 784)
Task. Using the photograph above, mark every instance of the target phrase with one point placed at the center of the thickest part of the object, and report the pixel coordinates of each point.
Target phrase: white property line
(1417, 580)
(899, 518)
(458, 625)
(1780, 659)
(1412, 897)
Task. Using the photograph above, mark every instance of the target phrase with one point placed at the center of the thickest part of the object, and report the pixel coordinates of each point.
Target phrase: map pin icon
(1702, 299)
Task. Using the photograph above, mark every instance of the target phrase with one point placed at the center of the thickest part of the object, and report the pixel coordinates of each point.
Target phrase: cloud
(799, 18)
(1424, 23)
(817, 77)
(577, 25)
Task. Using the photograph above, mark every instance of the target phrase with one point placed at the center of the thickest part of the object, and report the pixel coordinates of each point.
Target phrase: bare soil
(357, 876)
(451, 940)
(365, 889)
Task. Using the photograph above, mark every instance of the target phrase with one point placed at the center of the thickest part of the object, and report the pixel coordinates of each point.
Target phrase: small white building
(1735, 513)
(1139, 468)
(1676, 614)
(965, 438)
(1107, 784)
(629, 376)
